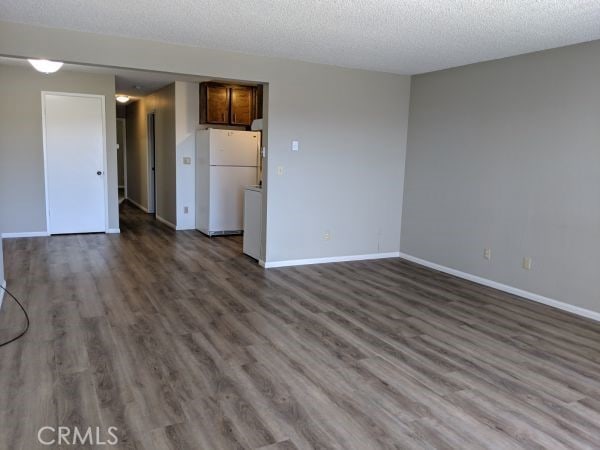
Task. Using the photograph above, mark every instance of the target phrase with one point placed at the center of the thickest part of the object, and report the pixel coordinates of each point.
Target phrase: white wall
(348, 176)
(187, 117)
(22, 189)
(506, 155)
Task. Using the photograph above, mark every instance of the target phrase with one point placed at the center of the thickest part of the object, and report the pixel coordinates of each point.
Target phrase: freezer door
(234, 148)
(227, 196)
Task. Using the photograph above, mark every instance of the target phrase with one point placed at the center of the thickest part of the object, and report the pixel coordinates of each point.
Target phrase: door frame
(104, 151)
(123, 123)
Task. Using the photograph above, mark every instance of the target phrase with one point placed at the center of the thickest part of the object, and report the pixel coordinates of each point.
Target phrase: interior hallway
(180, 341)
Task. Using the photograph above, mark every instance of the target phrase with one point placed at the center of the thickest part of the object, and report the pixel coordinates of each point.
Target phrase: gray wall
(162, 102)
(506, 155)
(22, 190)
(187, 117)
(2, 278)
(351, 125)
(137, 153)
(347, 177)
(120, 154)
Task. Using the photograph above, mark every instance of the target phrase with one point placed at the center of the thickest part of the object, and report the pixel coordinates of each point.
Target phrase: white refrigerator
(226, 162)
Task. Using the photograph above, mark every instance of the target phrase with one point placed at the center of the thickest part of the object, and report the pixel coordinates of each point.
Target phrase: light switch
(187, 160)
(295, 146)
(279, 170)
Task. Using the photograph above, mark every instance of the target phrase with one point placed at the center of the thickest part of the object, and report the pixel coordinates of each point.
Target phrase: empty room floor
(181, 342)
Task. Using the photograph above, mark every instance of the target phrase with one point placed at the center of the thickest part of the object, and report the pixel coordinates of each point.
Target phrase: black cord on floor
(26, 318)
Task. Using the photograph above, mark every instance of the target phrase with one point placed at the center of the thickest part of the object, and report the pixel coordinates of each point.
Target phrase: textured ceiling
(400, 36)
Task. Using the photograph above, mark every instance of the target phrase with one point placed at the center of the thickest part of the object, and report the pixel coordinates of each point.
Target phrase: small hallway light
(45, 66)
(122, 98)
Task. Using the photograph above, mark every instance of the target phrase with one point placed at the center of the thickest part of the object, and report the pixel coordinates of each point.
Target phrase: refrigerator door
(227, 197)
(234, 148)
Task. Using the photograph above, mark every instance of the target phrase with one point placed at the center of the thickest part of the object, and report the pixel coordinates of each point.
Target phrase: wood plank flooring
(182, 342)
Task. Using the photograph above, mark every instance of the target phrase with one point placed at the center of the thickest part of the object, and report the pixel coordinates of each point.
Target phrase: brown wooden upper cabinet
(217, 104)
(227, 105)
(242, 105)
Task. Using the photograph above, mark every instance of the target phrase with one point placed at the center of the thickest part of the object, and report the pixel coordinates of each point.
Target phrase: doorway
(74, 139)
(151, 163)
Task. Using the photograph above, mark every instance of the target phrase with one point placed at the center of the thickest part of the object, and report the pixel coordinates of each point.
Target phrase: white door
(227, 196)
(234, 148)
(74, 152)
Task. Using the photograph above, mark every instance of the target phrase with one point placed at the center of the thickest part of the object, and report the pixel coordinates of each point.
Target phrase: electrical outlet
(327, 235)
(487, 253)
(279, 170)
(186, 210)
(527, 263)
(187, 160)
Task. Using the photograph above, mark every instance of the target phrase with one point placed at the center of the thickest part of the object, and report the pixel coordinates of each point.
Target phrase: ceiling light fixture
(45, 66)
(122, 98)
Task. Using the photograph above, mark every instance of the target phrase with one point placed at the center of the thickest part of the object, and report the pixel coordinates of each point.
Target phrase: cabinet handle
(234, 118)
(222, 117)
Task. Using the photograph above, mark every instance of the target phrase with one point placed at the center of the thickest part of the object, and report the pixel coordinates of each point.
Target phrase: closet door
(74, 158)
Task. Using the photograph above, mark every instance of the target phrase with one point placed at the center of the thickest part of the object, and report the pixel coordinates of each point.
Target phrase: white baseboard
(506, 288)
(329, 259)
(26, 234)
(3, 284)
(134, 203)
(113, 231)
(166, 222)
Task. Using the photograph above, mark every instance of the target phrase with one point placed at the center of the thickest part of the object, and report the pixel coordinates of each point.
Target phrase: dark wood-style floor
(182, 342)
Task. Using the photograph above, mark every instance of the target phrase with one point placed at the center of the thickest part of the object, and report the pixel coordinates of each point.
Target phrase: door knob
(99, 173)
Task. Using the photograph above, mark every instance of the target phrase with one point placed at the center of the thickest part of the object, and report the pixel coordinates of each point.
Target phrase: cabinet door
(242, 107)
(217, 104)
